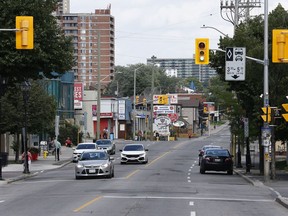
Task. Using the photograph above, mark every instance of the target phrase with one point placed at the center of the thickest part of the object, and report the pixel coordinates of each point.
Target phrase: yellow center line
(156, 159)
(131, 174)
(87, 204)
(177, 146)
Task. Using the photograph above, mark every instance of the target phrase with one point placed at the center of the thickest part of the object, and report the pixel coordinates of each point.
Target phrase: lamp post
(3, 84)
(25, 87)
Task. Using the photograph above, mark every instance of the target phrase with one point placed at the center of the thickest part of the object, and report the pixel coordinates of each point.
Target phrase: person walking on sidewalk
(57, 145)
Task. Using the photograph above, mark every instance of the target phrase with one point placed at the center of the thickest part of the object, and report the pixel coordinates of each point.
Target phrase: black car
(201, 151)
(217, 160)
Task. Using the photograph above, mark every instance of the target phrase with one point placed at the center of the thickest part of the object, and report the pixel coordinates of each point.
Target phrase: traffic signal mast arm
(247, 57)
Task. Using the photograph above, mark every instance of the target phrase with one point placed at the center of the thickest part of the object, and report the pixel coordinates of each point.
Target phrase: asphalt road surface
(169, 185)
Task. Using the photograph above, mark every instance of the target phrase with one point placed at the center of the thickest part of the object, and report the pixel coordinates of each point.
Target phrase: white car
(134, 153)
(81, 147)
(94, 163)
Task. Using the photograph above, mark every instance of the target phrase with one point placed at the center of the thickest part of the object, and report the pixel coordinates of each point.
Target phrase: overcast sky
(163, 28)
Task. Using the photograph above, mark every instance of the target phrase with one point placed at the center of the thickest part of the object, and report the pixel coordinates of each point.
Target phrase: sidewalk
(14, 172)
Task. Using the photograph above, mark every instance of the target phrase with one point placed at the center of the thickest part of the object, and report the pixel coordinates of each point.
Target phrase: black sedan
(217, 160)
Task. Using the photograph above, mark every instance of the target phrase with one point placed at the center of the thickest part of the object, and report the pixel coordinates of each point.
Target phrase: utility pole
(98, 89)
(233, 12)
(152, 96)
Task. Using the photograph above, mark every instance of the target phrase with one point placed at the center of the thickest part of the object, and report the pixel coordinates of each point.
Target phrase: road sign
(235, 63)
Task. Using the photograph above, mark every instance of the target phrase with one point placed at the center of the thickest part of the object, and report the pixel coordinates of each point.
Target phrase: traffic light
(163, 99)
(25, 33)
(267, 113)
(202, 51)
(144, 102)
(285, 115)
(137, 99)
(280, 45)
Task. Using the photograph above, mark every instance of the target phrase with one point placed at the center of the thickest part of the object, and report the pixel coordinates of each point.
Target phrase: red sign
(78, 95)
(173, 116)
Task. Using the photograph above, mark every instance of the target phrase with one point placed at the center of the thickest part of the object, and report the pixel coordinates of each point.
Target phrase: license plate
(217, 160)
(92, 171)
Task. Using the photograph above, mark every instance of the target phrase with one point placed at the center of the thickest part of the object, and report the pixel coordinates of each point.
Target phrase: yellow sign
(163, 99)
(280, 45)
(267, 112)
(285, 115)
(25, 33)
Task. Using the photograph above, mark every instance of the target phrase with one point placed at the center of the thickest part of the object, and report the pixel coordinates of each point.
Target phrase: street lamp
(25, 87)
(3, 84)
(211, 27)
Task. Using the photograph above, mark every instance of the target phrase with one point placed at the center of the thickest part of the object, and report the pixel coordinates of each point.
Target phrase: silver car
(134, 153)
(106, 144)
(94, 163)
(80, 148)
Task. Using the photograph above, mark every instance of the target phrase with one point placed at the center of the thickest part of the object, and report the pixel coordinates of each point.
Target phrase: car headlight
(104, 165)
(80, 165)
(123, 155)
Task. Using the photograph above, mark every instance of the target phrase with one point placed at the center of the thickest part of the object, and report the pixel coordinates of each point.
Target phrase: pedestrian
(68, 142)
(57, 145)
(29, 158)
(105, 133)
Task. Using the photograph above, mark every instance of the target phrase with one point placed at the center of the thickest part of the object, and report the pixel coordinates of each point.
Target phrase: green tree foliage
(52, 50)
(124, 79)
(250, 34)
(41, 110)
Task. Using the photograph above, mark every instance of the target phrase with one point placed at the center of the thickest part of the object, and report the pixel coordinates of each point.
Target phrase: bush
(34, 150)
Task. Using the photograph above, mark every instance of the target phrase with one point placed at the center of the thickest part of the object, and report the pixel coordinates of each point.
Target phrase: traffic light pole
(266, 89)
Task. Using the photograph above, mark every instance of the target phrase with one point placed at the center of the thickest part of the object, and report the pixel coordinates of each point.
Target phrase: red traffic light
(201, 45)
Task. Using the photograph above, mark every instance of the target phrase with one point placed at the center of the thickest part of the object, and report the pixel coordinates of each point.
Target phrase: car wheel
(202, 171)
(230, 172)
(122, 163)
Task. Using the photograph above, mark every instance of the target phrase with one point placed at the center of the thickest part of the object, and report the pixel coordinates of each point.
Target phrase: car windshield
(103, 142)
(93, 156)
(86, 146)
(133, 148)
(217, 152)
(209, 147)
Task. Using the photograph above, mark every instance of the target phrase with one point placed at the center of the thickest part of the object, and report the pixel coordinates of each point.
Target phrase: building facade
(184, 67)
(93, 42)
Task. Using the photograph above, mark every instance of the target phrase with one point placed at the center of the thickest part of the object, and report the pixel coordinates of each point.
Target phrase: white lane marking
(189, 173)
(191, 203)
(193, 213)
(1, 201)
(189, 170)
(189, 181)
(188, 177)
(192, 198)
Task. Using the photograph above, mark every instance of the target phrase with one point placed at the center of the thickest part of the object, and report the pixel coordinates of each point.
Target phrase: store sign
(164, 109)
(78, 95)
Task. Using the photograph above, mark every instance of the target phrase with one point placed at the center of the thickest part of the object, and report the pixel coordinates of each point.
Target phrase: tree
(41, 111)
(52, 51)
(124, 79)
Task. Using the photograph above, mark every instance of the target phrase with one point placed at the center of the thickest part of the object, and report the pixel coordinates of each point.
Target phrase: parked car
(217, 160)
(94, 163)
(134, 153)
(201, 151)
(80, 148)
(106, 144)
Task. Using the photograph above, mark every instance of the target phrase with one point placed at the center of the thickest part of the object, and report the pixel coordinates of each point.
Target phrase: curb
(26, 176)
(281, 200)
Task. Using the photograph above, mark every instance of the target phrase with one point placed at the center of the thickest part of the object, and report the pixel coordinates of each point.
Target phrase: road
(170, 184)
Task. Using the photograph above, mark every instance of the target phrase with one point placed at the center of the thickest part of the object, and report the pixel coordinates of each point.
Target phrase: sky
(164, 28)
